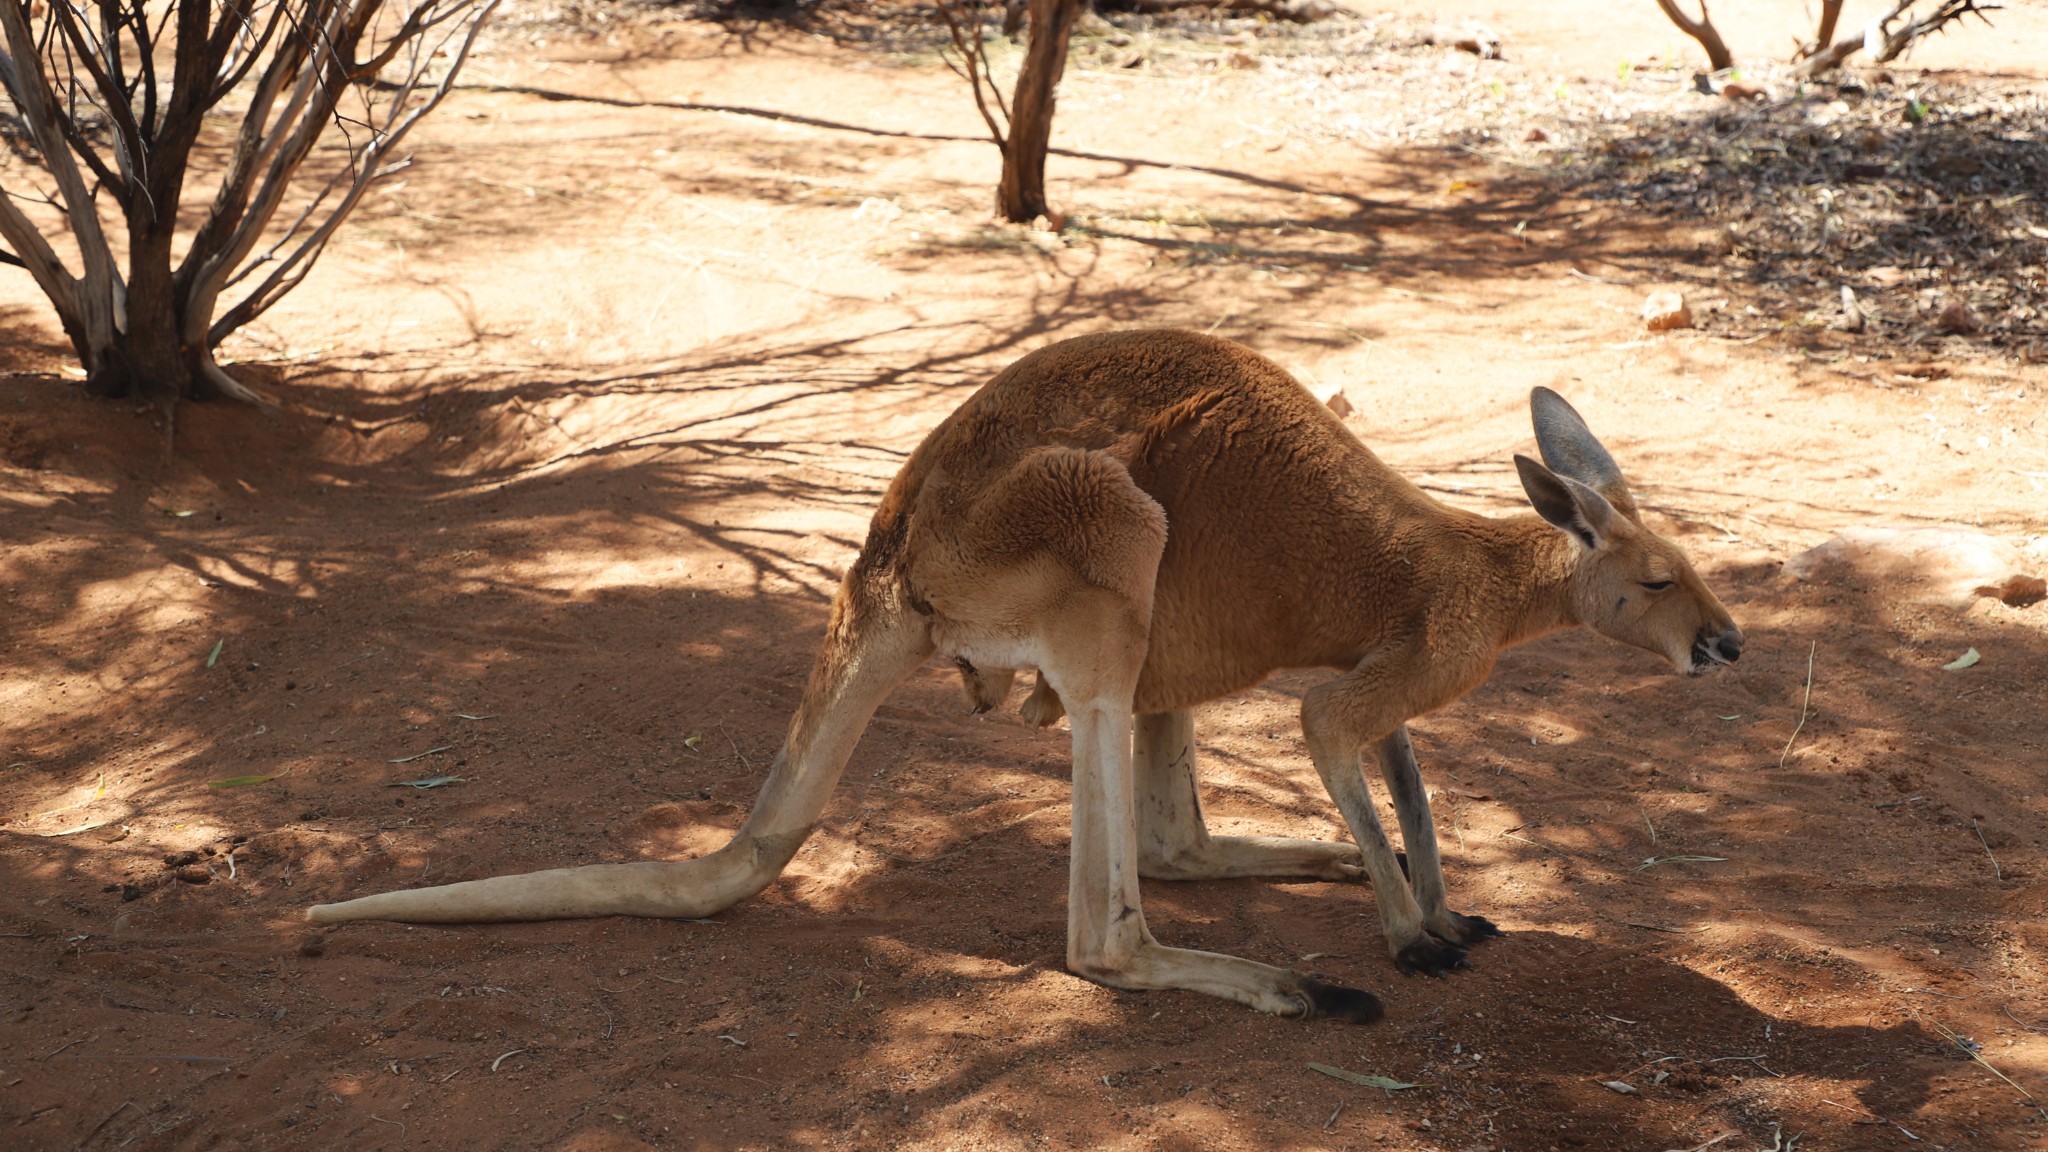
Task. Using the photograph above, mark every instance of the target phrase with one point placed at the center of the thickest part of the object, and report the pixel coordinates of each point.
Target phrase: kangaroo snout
(1712, 648)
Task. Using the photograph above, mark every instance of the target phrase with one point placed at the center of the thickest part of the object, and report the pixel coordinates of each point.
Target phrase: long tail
(873, 642)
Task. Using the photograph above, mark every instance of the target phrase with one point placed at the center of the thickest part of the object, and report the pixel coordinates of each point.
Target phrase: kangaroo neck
(1529, 565)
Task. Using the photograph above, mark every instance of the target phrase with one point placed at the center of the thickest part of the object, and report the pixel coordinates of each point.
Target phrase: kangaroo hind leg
(1094, 542)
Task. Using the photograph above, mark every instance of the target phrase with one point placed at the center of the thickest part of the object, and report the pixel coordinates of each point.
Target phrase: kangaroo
(1152, 520)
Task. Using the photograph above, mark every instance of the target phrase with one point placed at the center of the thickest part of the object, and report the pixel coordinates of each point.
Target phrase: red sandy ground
(584, 419)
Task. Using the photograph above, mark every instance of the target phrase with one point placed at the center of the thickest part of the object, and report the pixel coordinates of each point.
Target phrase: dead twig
(109, 1120)
(1756, 1060)
(744, 762)
(1973, 1054)
(150, 1056)
(74, 1043)
(1592, 279)
(1803, 703)
(1708, 1144)
(2007, 1009)
(1997, 873)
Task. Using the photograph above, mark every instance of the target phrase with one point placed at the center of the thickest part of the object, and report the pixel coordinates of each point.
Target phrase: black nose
(1729, 645)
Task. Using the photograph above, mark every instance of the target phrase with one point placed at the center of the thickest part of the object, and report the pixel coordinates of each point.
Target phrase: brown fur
(1153, 520)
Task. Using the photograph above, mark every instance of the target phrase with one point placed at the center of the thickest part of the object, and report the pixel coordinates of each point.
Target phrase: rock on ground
(1666, 310)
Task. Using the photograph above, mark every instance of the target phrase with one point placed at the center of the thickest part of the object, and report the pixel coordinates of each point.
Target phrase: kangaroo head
(1627, 582)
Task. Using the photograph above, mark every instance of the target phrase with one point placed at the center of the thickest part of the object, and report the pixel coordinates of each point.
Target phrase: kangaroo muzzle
(1713, 648)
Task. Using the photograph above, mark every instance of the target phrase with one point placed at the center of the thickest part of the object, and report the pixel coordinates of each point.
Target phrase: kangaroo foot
(1427, 957)
(1336, 1002)
(1458, 928)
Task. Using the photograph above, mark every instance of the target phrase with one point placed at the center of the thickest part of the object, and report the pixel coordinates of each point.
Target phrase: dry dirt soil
(583, 416)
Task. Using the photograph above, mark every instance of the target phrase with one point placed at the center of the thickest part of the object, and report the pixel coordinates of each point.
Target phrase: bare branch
(96, 305)
(236, 68)
(973, 51)
(40, 259)
(416, 22)
(1702, 30)
(1885, 43)
(245, 210)
(113, 99)
(230, 387)
(254, 142)
(1945, 13)
(297, 264)
(1830, 15)
(145, 43)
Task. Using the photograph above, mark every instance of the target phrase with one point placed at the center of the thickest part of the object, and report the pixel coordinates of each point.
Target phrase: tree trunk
(1702, 30)
(148, 361)
(1020, 197)
(1830, 14)
(146, 353)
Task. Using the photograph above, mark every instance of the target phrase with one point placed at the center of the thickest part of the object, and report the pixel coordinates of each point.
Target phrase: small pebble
(1666, 310)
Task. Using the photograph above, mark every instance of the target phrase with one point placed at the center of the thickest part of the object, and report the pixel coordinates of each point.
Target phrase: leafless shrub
(118, 104)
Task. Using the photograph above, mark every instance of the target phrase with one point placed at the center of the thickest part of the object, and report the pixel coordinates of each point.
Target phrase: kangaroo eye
(1656, 585)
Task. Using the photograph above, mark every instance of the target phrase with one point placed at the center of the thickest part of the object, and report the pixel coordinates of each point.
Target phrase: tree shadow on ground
(27, 344)
(628, 711)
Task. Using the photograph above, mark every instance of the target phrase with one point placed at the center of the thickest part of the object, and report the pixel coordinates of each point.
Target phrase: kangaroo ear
(1572, 451)
(1567, 504)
